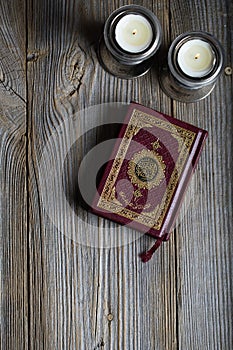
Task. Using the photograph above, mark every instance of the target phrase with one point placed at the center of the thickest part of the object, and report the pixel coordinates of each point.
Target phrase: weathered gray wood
(13, 176)
(74, 287)
(204, 244)
(58, 293)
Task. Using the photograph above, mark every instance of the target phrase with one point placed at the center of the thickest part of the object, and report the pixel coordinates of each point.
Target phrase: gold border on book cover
(185, 139)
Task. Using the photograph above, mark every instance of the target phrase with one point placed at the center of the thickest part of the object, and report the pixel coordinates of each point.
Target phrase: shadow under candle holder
(119, 70)
(172, 88)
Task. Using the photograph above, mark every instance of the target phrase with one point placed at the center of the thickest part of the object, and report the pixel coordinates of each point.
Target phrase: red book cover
(146, 177)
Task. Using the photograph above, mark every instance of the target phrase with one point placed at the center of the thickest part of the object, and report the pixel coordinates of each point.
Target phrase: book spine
(184, 182)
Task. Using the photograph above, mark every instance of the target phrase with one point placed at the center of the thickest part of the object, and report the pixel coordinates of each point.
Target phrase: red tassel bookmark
(145, 257)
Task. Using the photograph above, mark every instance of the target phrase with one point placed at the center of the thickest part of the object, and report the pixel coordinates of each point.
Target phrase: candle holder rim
(177, 72)
(216, 47)
(122, 55)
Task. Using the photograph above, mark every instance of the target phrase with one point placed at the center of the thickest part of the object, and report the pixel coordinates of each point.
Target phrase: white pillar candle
(133, 33)
(196, 58)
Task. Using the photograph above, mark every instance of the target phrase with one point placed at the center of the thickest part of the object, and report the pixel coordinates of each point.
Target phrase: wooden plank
(74, 288)
(204, 245)
(73, 301)
(13, 202)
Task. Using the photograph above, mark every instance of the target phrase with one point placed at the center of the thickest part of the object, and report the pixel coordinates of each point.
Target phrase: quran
(147, 174)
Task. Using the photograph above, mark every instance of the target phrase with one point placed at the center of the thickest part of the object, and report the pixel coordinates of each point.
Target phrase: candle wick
(134, 32)
(197, 56)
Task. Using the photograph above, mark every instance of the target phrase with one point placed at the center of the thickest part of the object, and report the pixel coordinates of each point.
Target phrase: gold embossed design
(139, 120)
(155, 145)
(179, 140)
(113, 197)
(146, 169)
(135, 206)
(137, 194)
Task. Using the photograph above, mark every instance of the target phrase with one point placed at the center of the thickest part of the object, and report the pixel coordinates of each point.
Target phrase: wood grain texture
(58, 291)
(13, 176)
(75, 287)
(204, 245)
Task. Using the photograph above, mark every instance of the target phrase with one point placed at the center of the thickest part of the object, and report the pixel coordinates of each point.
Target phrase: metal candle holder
(179, 86)
(119, 62)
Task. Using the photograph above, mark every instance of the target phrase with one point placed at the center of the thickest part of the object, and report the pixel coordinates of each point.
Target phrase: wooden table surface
(57, 293)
